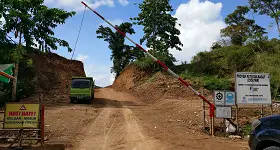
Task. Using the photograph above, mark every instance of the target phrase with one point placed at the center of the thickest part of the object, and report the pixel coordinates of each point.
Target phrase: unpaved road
(117, 120)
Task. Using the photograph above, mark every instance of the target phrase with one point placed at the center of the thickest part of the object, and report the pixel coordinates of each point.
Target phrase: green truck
(82, 89)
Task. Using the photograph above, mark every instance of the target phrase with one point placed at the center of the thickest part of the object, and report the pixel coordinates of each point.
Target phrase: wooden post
(21, 132)
(212, 124)
(262, 111)
(203, 106)
(42, 124)
(237, 124)
(225, 127)
(271, 108)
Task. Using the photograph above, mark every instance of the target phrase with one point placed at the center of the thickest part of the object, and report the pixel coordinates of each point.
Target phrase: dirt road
(117, 120)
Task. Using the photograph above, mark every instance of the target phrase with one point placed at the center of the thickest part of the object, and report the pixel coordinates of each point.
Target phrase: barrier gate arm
(212, 106)
(2, 73)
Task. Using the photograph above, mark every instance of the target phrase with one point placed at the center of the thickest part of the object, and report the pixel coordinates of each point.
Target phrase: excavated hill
(152, 88)
(53, 74)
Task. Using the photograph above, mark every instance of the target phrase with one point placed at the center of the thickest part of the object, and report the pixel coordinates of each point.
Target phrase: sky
(201, 22)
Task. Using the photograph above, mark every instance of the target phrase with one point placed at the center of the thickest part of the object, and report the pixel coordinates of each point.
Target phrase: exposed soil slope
(53, 74)
(152, 88)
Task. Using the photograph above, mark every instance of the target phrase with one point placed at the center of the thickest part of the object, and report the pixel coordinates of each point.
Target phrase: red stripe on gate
(162, 64)
(84, 4)
(183, 81)
(98, 15)
(141, 48)
(203, 98)
(123, 34)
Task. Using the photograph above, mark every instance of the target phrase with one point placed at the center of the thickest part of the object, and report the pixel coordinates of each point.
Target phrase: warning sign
(21, 116)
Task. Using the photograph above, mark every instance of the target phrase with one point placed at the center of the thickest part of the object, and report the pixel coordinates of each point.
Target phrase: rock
(235, 137)
(46, 138)
(10, 140)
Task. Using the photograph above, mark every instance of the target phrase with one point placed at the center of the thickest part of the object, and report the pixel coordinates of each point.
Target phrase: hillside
(152, 88)
(52, 75)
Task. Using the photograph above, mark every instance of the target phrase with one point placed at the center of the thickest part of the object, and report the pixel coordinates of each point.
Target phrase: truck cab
(82, 89)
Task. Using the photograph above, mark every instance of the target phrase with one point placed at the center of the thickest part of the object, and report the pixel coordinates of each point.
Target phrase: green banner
(8, 69)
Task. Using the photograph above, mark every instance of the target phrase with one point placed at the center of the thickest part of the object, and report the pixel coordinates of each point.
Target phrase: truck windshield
(80, 83)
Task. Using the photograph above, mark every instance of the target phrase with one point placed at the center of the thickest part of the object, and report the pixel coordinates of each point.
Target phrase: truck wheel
(272, 148)
(89, 101)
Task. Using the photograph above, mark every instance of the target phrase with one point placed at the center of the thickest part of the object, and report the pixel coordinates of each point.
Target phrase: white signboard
(252, 88)
(219, 98)
(223, 112)
(230, 98)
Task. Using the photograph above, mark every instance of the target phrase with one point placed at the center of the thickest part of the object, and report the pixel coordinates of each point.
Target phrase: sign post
(253, 88)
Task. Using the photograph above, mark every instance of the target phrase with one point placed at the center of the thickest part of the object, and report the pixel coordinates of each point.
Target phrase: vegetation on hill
(245, 47)
(29, 23)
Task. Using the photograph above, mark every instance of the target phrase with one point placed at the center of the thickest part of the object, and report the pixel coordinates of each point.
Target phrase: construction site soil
(139, 111)
(53, 78)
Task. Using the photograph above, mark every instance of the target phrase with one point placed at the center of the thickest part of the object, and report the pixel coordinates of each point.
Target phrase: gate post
(42, 124)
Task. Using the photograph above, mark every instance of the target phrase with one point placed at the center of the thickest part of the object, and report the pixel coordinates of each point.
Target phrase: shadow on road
(45, 147)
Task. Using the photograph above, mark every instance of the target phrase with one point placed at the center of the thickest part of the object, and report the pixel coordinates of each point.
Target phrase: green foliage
(213, 83)
(269, 62)
(239, 28)
(208, 82)
(147, 63)
(223, 61)
(160, 32)
(35, 22)
(122, 54)
(267, 7)
(25, 84)
(30, 22)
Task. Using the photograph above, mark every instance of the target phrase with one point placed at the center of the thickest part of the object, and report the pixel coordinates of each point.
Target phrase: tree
(160, 32)
(267, 7)
(32, 22)
(122, 54)
(239, 28)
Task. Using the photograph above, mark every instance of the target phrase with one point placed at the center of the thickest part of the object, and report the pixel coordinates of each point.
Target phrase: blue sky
(201, 22)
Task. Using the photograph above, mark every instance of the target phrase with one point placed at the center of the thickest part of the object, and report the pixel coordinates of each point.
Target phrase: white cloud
(123, 2)
(101, 74)
(114, 22)
(76, 5)
(82, 57)
(200, 26)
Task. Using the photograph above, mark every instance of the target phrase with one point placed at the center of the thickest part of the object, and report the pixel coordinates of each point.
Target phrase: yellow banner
(21, 116)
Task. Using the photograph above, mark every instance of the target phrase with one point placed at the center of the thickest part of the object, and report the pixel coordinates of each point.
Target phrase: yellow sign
(21, 116)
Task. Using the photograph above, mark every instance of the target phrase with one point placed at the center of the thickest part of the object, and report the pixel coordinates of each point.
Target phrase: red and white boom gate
(212, 106)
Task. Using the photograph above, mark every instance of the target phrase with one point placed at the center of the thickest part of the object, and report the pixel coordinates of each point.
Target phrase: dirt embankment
(53, 74)
(153, 88)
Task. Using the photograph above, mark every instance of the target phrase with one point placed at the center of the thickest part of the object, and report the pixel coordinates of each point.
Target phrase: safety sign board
(223, 112)
(253, 88)
(219, 98)
(21, 116)
(230, 98)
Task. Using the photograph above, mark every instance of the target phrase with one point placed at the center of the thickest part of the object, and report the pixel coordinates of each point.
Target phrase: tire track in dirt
(115, 127)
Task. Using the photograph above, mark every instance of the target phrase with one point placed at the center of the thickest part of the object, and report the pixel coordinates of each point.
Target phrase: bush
(208, 82)
(213, 83)
(146, 63)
